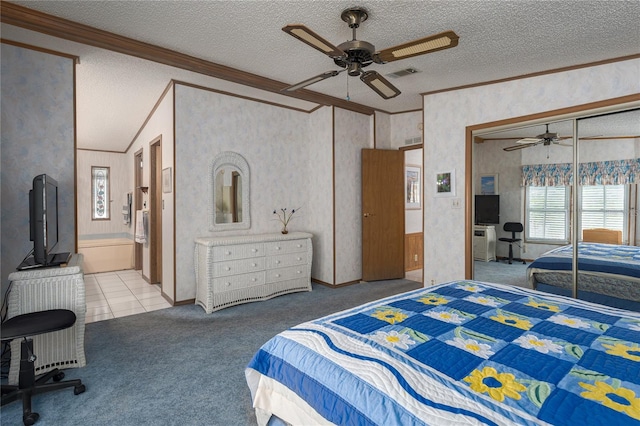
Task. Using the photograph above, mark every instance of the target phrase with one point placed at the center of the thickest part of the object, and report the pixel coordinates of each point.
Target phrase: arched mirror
(229, 206)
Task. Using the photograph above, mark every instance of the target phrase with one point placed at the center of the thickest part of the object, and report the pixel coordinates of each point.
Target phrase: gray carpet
(180, 366)
(501, 272)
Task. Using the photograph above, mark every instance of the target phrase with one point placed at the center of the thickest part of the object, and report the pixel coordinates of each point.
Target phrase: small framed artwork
(412, 179)
(166, 180)
(446, 184)
(489, 184)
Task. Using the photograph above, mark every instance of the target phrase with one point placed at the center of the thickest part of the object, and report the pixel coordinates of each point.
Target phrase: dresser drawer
(237, 282)
(284, 260)
(283, 274)
(279, 247)
(238, 251)
(242, 266)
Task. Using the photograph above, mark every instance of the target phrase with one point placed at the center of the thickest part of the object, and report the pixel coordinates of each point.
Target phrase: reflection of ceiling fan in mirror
(352, 56)
(547, 138)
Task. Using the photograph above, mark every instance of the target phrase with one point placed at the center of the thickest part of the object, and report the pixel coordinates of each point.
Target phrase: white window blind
(603, 206)
(547, 213)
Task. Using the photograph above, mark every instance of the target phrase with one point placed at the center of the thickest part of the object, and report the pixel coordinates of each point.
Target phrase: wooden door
(155, 209)
(382, 214)
(137, 169)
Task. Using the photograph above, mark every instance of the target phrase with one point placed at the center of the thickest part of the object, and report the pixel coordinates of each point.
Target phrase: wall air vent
(413, 141)
(403, 73)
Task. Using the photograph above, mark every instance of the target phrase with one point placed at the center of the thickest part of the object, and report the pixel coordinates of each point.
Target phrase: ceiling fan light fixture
(379, 84)
(307, 36)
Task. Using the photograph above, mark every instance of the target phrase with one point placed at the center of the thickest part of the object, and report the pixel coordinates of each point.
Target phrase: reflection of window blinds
(547, 212)
(603, 207)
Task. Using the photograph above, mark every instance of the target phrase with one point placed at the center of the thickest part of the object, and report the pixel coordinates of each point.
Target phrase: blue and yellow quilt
(464, 352)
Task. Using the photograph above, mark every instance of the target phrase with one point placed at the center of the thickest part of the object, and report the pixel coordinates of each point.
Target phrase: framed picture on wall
(489, 184)
(412, 176)
(446, 184)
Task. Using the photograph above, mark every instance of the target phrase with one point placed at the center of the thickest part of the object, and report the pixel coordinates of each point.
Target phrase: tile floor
(121, 293)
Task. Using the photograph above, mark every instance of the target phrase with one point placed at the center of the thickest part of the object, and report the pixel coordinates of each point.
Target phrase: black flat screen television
(43, 224)
(487, 209)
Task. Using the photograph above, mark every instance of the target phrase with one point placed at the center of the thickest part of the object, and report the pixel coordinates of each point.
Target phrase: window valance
(614, 172)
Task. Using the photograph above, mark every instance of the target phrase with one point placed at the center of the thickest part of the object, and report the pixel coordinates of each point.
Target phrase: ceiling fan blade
(528, 141)
(517, 147)
(312, 80)
(307, 36)
(379, 84)
(421, 46)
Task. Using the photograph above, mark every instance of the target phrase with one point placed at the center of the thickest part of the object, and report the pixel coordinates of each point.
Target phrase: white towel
(141, 235)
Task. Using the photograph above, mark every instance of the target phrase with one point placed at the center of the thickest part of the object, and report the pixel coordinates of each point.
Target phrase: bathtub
(104, 255)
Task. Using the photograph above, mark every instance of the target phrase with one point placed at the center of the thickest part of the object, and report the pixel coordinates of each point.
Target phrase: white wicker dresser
(50, 288)
(234, 270)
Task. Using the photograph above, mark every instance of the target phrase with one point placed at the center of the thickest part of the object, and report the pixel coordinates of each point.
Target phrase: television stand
(53, 260)
(484, 243)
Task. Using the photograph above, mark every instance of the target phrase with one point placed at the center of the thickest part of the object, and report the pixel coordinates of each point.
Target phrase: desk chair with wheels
(23, 327)
(512, 227)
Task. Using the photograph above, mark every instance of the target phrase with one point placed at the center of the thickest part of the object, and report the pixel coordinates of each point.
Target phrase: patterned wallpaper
(352, 133)
(446, 116)
(37, 137)
(405, 126)
(274, 141)
(320, 205)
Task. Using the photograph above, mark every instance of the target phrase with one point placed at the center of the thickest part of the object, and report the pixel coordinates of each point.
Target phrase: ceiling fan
(352, 56)
(547, 138)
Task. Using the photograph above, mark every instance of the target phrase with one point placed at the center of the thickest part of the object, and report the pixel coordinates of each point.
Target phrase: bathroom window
(100, 195)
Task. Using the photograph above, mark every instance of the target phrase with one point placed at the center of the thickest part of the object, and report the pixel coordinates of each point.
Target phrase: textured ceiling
(498, 39)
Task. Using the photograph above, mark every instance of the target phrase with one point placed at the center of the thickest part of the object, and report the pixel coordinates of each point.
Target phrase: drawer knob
(226, 268)
(277, 261)
(254, 264)
(277, 248)
(254, 250)
(299, 258)
(227, 284)
(299, 245)
(277, 275)
(253, 279)
(299, 272)
(227, 252)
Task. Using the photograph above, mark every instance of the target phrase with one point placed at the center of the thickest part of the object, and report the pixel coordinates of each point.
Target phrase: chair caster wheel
(58, 376)
(30, 419)
(79, 389)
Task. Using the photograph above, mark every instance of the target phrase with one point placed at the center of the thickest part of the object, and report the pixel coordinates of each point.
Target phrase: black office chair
(512, 227)
(24, 326)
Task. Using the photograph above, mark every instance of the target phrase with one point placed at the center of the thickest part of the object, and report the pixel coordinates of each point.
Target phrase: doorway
(137, 171)
(155, 212)
(414, 212)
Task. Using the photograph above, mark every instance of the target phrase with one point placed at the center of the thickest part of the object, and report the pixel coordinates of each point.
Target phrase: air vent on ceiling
(403, 73)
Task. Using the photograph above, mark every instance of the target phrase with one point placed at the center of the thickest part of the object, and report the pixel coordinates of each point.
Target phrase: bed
(464, 352)
(607, 269)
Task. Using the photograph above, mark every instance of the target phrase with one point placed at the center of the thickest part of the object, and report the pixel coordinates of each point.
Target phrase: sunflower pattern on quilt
(544, 356)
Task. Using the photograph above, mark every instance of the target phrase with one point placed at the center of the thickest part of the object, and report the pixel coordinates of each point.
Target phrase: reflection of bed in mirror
(608, 273)
(464, 352)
